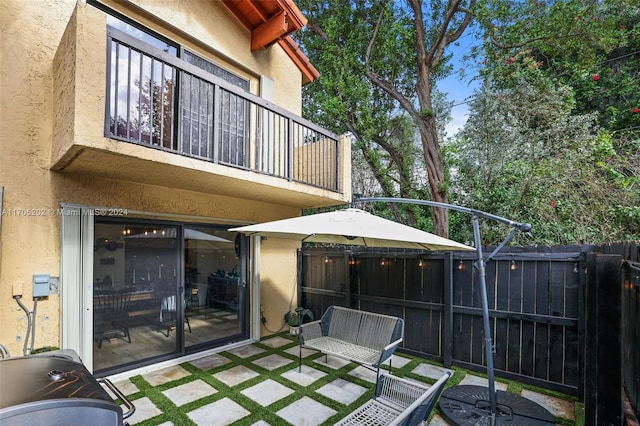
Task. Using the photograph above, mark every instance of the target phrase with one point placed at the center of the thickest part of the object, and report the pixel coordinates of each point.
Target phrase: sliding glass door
(164, 289)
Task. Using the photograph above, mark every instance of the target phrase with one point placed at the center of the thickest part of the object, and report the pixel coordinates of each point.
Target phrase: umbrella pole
(480, 266)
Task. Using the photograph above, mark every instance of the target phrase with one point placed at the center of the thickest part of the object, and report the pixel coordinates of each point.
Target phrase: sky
(460, 89)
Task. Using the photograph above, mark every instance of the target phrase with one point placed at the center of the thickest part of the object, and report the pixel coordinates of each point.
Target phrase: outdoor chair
(397, 401)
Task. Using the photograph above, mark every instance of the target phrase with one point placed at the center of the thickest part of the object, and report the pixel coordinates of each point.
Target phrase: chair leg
(188, 325)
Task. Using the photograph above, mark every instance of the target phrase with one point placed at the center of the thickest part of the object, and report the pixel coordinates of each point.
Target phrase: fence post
(447, 311)
(602, 341)
(347, 278)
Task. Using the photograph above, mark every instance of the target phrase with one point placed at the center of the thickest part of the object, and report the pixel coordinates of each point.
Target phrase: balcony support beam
(270, 32)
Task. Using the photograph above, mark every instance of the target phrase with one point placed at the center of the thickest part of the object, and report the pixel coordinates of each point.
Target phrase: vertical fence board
(501, 302)
(463, 324)
(542, 330)
(514, 349)
(541, 349)
(529, 279)
(603, 354)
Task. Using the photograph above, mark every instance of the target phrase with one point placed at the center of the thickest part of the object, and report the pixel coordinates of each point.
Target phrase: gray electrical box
(40, 285)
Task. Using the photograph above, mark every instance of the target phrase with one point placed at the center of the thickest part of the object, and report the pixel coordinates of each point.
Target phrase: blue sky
(460, 89)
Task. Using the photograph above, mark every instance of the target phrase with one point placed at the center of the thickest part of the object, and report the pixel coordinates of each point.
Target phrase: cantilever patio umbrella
(351, 227)
(466, 405)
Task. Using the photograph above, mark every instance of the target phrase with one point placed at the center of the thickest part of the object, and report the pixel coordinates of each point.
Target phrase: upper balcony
(141, 115)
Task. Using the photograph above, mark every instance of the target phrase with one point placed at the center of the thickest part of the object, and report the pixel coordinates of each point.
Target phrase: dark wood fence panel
(558, 321)
(629, 290)
(534, 300)
(631, 332)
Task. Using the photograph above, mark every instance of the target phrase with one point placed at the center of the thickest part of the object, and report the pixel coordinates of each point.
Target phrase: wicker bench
(366, 338)
(397, 402)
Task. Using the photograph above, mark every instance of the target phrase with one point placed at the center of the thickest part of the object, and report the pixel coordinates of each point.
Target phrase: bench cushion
(350, 351)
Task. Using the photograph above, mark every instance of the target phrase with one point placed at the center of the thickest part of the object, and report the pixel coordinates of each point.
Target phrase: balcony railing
(158, 100)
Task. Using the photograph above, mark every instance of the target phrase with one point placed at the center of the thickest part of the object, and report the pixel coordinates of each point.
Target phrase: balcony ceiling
(139, 164)
(272, 21)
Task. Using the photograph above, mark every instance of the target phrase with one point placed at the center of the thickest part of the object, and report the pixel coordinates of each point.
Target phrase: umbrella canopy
(351, 227)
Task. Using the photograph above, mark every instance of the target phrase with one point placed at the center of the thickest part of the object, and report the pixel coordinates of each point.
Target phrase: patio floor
(259, 384)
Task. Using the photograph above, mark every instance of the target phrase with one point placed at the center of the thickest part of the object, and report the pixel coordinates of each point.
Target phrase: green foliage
(524, 155)
(592, 47)
(385, 155)
(554, 135)
(297, 317)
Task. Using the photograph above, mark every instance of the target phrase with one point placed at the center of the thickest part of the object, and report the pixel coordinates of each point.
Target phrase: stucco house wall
(52, 86)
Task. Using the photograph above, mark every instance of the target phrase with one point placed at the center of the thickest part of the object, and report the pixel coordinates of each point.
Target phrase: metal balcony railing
(158, 100)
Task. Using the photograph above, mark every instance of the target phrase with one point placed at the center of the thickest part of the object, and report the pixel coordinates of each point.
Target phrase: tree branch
(499, 45)
(380, 81)
(316, 29)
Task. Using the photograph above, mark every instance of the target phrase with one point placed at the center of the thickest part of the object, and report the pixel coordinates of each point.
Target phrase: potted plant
(296, 318)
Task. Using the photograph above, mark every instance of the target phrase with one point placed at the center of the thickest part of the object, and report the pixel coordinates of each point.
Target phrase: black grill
(55, 389)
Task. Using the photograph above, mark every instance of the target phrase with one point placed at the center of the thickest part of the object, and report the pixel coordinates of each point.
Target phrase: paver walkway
(259, 384)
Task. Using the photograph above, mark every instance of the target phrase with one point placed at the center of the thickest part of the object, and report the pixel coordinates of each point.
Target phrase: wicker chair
(397, 402)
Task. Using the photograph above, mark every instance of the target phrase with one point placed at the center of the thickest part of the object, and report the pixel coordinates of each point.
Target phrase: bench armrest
(310, 330)
(388, 350)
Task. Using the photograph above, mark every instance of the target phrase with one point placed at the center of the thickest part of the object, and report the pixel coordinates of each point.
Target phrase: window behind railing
(159, 100)
(142, 91)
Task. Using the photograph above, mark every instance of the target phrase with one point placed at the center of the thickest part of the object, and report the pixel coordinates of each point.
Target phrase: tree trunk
(435, 172)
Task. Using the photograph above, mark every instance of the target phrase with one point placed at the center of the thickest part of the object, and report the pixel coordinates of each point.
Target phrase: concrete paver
(342, 391)
(556, 406)
(306, 412)
(189, 392)
(305, 377)
(470, 379)
(235, 375)
(211, 361)
(271, 362)
(224, 411)
(166, 375)
(145, 409)
(267, 392)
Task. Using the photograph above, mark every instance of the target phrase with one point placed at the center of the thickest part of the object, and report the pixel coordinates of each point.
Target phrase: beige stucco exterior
(53, 150)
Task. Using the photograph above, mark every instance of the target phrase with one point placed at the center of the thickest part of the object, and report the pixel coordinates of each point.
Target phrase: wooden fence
(534, 295)
(612, 352)
(565, 318)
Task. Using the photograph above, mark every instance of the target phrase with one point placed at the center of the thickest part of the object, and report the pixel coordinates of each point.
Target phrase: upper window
(172, 49)
(153, 100)
(214, 69)
(142, 35)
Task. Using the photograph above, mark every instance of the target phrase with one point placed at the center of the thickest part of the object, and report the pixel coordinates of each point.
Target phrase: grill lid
(30, 379)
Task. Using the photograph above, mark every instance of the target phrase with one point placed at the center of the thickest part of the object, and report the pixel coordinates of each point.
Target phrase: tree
(378, 62)
(553, 138)
(523, 154)
(593, 47)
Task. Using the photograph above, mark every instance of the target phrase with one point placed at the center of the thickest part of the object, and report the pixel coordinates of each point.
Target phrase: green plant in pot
(296, 318)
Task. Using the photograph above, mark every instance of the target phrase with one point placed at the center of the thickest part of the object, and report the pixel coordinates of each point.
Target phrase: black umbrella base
(469, 405)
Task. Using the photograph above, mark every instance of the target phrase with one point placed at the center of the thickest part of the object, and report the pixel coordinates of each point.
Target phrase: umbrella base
(469, 405)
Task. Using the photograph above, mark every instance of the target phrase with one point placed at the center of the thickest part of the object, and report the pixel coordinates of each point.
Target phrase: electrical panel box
(40, 285)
